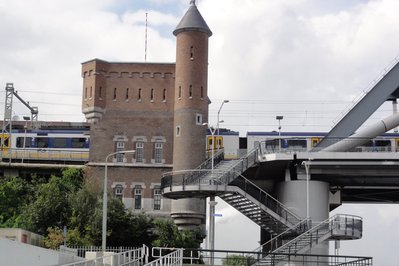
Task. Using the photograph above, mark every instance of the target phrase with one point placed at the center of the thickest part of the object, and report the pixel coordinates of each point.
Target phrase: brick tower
(191, 109)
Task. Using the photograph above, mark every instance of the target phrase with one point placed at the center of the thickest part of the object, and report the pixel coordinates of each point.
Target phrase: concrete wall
(13, 253)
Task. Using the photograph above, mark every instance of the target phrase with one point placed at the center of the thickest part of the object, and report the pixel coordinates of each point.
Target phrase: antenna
(145, 49)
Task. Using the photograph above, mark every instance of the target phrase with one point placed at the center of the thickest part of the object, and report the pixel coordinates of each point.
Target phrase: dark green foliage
(50, 207)
(238, 260)
(167, 235)
(14, 195)
(46, 205)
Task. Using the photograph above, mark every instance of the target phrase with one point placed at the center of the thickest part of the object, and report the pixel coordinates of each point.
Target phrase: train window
(78, 142)
(20, 142)
(60, 143)
(42, 142)
(297, 143)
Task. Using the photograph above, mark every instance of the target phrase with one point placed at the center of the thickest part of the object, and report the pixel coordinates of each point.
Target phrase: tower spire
(192, 2)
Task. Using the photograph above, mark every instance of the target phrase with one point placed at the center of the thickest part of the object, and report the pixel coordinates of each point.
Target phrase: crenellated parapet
(115, 86)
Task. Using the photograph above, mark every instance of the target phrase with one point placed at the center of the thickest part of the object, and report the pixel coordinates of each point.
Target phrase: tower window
(127, 94)
(137, 197)
(164, 95)
(192, 53)
(86, 93)
(157, 198)
(114, 94)
(179, 92)
(198, 119)
(91, 92)
(139, 95)
(152, 95)
(178, 131)
(100, 93)
(190, 92)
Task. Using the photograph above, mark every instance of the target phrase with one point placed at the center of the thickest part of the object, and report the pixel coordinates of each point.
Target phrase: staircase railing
(277, 241)
(262, 197)
(339, 225)
(191, 177)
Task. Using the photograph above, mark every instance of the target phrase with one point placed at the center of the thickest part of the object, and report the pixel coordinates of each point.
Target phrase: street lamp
(105, 197)
(26, 118)
(307, 165)
(212, 202)
(220, 108)
(279, 118)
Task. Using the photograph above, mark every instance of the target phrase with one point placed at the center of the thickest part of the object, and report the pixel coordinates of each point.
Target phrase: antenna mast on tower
(145, 45)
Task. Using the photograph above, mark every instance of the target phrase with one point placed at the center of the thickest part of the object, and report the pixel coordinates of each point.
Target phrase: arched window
(114, 94)
(164, 95)
(190, 91)
(152, 95)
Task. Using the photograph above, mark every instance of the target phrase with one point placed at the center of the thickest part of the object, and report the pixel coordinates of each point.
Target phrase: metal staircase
(227, 182)
(338, 227)
(293, 235)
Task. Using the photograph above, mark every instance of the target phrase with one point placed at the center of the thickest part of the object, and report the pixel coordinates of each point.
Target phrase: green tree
(54, 238)
(125, 228)
(168, 235)
(14, 193)
(50, 208)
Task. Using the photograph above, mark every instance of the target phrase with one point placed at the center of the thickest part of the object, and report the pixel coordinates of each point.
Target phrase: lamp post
(217, 126)
(307, 165)
(212, 202)
(26, 118)
(105, 197)
(279, 118)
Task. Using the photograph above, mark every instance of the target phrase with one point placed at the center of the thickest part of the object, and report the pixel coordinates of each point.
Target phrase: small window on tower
(192, 53)
(139, 95)
(190, 92)
(100, 93)
(198, 119)
(91, 92)
(164, 95)
(178, 131)
(85, 93)
(114, 94)
(179, 92)
(127, 95)
(152, 95)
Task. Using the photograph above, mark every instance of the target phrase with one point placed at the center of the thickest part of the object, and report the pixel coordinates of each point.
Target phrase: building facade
(156, 109)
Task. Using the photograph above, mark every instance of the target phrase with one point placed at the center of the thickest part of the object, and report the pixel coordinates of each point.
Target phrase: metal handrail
(301, 226)
(326, 226)
(191, 177)
(173, 258)
(264, 198)
(132, 257)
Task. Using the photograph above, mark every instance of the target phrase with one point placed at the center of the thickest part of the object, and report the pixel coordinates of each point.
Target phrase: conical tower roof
(192, 21)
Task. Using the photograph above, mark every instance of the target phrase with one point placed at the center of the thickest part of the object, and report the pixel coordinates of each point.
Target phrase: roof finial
(192, 2)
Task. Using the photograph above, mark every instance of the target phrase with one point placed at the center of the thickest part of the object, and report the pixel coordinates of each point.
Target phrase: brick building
(156, 109)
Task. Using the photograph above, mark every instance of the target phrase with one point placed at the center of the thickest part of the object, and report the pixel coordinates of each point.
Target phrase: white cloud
(304, 59)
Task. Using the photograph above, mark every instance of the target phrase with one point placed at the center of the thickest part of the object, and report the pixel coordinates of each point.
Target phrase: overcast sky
(304, 59)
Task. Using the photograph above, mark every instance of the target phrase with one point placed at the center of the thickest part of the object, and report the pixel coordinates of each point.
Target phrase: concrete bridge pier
(307, 199)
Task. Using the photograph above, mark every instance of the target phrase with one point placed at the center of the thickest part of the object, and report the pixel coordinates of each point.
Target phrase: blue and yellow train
(46, 145)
